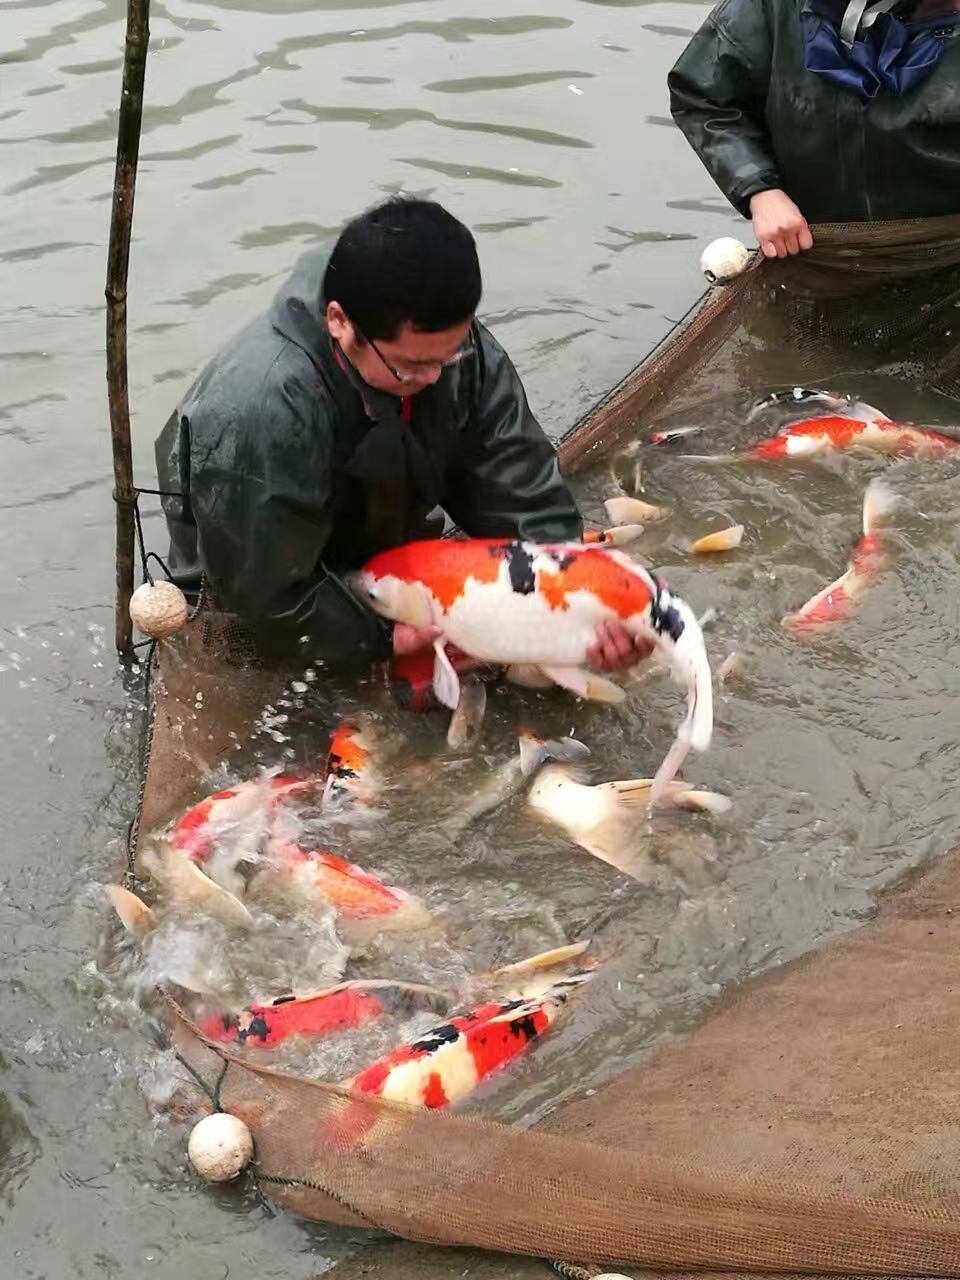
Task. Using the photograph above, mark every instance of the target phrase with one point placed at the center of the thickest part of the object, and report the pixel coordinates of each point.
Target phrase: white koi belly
(494, 623)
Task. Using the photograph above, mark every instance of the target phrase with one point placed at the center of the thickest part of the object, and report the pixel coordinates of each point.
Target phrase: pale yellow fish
(603, 819)
(135, 916)
(722, 540)
(627, 511)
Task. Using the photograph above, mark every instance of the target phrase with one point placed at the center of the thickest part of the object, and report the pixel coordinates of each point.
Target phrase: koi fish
(816, 436)
(521, 602)
(602, 818)
(347, 768)
(620, 535)
(340, 1008)
(834, 601)
(450, 1060)
(204, 825)
(856, 425)
(357, 896)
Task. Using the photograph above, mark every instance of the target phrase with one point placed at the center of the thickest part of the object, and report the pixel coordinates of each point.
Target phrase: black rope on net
(150, 644)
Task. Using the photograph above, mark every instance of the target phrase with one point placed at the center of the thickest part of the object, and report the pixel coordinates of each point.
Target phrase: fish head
(394, 598)
(559, 792)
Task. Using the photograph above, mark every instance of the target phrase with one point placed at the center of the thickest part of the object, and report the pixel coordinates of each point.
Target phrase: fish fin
(702, 801)
(552, 959)
(879, 501)
(635, 792)
(467, 721)
(528, 675)
(187, 880)
(135, 916)
(631, 511)
(618, 845)
(446, 682)
(534, 751)
(585, 684)
(628, 793)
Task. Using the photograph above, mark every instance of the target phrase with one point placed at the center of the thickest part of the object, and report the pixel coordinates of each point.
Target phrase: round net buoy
(724, 259)
(157, 609)
(220, 1147)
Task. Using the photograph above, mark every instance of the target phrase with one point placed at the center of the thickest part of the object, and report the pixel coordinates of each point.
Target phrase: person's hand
(615, 649)
(407, 639)
(779, 225)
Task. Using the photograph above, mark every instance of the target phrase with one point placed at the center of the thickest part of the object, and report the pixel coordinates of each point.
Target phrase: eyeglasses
(425, 368)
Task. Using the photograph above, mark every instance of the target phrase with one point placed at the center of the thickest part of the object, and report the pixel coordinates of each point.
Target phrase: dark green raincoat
(758, 120)
(293, 472)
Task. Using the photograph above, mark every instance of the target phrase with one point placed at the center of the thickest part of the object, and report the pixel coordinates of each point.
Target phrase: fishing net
(809, 1123)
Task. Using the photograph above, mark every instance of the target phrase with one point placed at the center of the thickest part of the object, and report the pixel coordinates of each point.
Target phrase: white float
(158, 609)
(724, 259)
(220, 1147)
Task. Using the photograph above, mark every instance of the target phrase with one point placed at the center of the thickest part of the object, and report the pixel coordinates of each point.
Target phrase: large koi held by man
(513, 602)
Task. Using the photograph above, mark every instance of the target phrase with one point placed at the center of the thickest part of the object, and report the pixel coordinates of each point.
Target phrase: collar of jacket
(298, 313)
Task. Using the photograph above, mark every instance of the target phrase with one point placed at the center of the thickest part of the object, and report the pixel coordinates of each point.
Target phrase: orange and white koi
(341, 1008)
(204, 825)
(853, 425)
(357, 896)
(449, 1061)
(817, 436)
(513, 602)
(835, 601)
(347, 770)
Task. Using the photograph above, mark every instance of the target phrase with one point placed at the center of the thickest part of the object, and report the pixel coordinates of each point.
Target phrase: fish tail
(879, 502)
(535, 751)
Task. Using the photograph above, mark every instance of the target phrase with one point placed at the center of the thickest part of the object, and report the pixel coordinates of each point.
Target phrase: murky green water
(267, 125)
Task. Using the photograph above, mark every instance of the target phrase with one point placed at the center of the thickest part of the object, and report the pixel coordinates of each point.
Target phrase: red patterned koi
(355, 894)
(340, 1008)
(449, 1061)
(201, 828)
(817, 436)
(834, 601)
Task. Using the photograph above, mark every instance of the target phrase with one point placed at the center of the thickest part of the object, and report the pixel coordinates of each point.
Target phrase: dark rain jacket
(758, 120)
(293, 471)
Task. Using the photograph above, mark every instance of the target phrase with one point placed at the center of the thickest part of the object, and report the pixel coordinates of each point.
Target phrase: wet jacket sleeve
(507, 480)
(262, 507)
(718, 89)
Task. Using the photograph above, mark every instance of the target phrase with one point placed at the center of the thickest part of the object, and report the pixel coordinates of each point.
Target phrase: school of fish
(529, 612)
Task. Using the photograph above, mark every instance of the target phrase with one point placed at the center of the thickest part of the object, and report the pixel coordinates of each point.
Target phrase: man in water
(337, 423)
(810, 111)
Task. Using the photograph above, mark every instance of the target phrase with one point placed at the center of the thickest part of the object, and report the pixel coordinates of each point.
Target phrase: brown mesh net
(809, 1124)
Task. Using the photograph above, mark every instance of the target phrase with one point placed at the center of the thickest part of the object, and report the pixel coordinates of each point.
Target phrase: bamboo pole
(118, 258)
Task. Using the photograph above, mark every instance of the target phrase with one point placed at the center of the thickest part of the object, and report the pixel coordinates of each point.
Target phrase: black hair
(405, 260)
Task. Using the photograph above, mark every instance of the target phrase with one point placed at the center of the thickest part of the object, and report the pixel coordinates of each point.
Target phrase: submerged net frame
(809, 1124)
